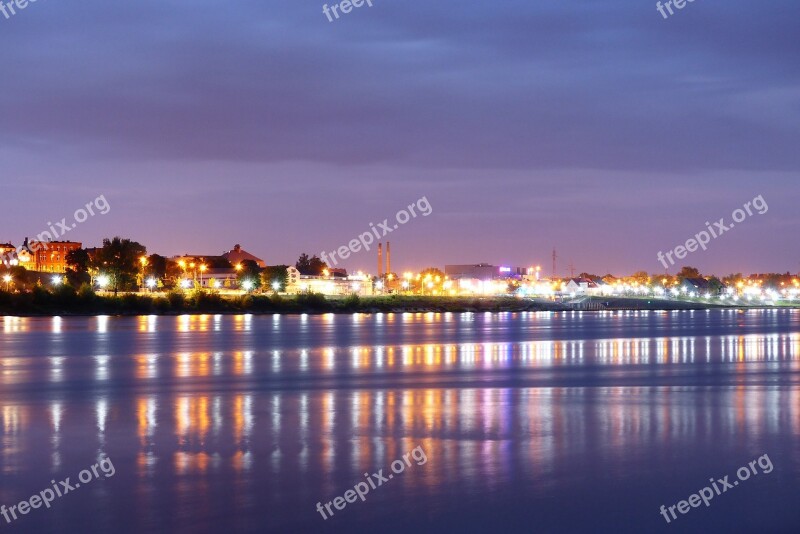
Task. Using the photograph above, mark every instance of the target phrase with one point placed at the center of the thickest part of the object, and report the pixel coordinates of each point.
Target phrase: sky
(597, 128)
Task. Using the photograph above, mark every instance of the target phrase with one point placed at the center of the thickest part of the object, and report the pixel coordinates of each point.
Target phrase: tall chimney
(380, 260)
(388, 258)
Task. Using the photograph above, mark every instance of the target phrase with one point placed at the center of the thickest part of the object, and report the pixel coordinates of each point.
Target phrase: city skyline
(292, 134)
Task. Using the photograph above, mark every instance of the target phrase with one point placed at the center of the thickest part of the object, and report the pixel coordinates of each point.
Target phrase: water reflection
(261, 424)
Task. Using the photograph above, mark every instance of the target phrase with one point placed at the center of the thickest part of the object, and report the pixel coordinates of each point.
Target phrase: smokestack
(380, 260)
(388, 258)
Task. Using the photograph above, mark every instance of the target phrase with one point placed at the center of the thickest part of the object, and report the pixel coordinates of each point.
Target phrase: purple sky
(596, 127)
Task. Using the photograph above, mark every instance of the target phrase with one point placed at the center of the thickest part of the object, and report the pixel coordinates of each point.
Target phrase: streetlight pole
(143, 261)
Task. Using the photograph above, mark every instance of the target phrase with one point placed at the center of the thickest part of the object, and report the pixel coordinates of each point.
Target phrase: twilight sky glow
(596, 127)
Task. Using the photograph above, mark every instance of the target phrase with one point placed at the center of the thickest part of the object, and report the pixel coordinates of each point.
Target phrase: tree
(21, 278)
(249, 272)
(78, 260)
(78, 264)
(689, 272)
(157, 266)
(277, 273)
(119, 260)
(640, 277)
(312, 266)
(433, 272)
(716, 285)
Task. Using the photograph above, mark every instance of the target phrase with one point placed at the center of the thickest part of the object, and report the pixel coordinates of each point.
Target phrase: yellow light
(238, 266)
(182, 264)
(203, 268)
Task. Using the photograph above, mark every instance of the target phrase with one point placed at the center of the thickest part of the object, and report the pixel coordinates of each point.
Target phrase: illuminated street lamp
(247, 285)
(102, 281)
(186, 283)
(151, 283)
(203, 269)
(276, 286)
(56, 280)
(7, 279)
(143, 262)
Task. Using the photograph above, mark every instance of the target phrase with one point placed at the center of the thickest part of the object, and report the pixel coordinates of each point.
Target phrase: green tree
(276, 273)
(119, 260)
(716, 285)
(310, 265)
(250, 272)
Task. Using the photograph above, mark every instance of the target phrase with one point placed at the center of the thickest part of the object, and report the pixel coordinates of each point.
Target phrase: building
(480, 271)
(46, 257)
(218, 279)
(696, 286)
(238, 255)
(8, 254)
(484, 271)
(581, 286)
(360, 285)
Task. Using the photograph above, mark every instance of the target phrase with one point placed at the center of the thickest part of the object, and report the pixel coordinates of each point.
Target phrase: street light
(202, 270)
(247, 285)
(143, 261)
(276, 286)
(102, 281)
(56, 280)
(151, 283)
(7, 279)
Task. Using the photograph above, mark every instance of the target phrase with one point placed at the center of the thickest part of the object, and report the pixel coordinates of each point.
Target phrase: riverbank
(65, 303)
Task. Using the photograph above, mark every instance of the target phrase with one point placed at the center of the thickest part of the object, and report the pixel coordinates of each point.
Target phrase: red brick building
(51, 257)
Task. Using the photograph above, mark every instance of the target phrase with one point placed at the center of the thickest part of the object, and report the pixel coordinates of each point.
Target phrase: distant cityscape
(123, 265)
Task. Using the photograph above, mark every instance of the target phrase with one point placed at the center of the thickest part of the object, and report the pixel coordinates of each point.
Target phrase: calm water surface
(529, 422)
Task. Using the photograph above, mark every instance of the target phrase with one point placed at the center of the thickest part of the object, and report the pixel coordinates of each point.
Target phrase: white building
(329, 285)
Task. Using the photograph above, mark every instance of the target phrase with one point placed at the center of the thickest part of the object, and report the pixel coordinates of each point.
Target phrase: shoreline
(52, 305)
